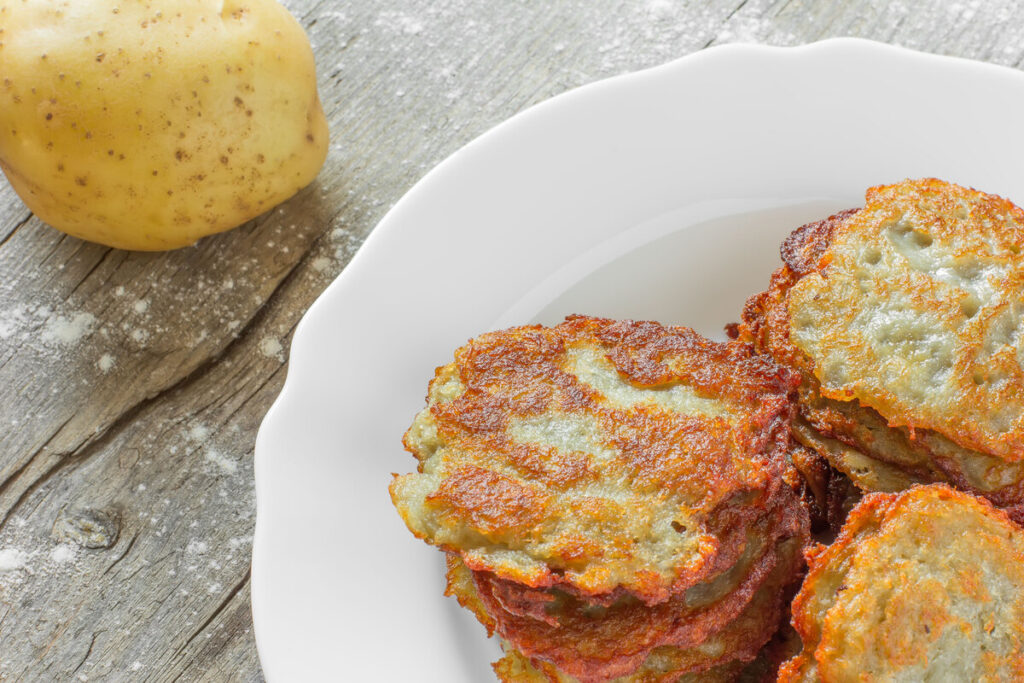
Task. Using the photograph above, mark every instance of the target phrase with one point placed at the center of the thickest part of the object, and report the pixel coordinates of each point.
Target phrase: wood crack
(256, 391)
(92, 642)
(61, 237)
(32, 488)
(99, 262)
(783, 8)
(131, 576)
(6, 483)
(220, 608)
(120, 557)
(733, 13)
(899, 24)
(17, 226)
(98, 440)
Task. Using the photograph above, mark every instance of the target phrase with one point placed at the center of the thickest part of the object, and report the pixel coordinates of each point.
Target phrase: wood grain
(132, 385)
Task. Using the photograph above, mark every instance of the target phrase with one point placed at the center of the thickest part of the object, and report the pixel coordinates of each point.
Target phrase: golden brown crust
(896, 450)
(459, 585)
(914, 309)
(601, 644)
(721, 656)
(927, 582)
(807, 246)
(598, 457)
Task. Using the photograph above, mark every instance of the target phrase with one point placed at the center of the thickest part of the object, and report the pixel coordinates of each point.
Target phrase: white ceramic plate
(662, 194)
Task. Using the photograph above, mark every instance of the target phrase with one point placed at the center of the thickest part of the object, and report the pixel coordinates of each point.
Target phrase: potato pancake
(923, 585)
(906, 322)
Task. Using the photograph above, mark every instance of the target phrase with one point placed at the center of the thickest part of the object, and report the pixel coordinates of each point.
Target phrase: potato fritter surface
(925, 585)
(899, 384)
(916, 309)
(721, 656)
(593, 643)
(600, 457)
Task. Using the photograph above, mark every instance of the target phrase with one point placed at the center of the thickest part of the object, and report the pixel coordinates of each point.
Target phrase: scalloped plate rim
(285, 659)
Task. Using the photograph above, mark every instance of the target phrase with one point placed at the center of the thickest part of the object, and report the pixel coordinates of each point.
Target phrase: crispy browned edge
(733, 368)
(750, 649)
(637, 348)
(765, 324)
(869, 512)
(617, 643)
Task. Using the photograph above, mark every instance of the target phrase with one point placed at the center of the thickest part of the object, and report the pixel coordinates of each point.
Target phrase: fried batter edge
(846, 433)
(828, 565)
(772, 438)
(563, 650)
(740, 645)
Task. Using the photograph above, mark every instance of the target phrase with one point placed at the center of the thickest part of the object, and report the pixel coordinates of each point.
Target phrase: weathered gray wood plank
(132, 385)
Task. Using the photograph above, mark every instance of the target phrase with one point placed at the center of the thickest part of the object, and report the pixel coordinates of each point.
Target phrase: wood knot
(87, 527)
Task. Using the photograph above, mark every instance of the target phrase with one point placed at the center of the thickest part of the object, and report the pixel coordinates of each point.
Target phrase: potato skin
(147, 125)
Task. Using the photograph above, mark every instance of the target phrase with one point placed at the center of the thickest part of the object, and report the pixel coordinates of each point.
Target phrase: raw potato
(147, 125)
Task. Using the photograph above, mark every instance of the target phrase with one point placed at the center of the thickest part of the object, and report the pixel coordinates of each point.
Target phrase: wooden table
(132, 384)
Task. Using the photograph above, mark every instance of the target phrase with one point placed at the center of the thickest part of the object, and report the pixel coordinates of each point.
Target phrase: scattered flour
(223, 463)
(12, 559)
(136, 665)
(271, 348)
(400, 23)
(321, 263)
(660, 9)
(199, 432)
(67, 331)
(106, 362)
(63, 553)
(339, 16)
(196, 547)
(237, 542)
(12, 320)
(141, 306)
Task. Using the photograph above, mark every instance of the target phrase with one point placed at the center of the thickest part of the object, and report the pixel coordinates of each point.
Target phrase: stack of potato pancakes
(906, 321)
(627, 501)
(611, 496)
